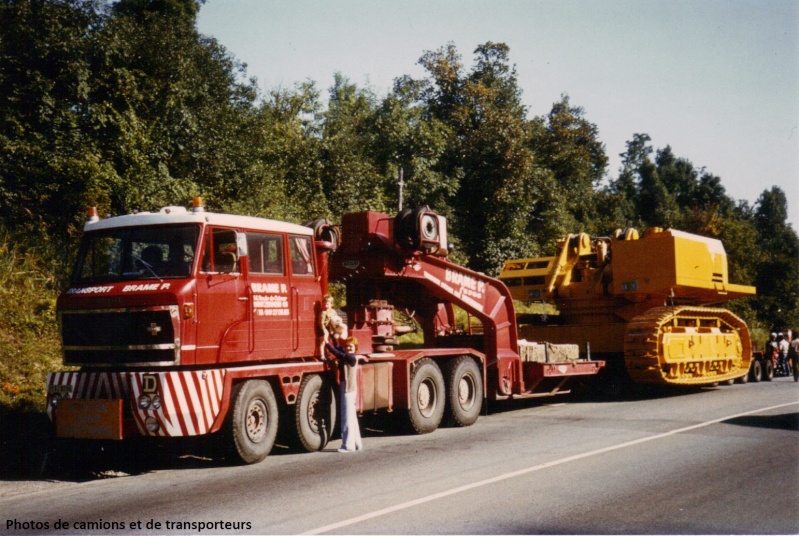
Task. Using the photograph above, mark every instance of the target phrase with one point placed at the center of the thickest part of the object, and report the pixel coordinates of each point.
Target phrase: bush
(30, 345)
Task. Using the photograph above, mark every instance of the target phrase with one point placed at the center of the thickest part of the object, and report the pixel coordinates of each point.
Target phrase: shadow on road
(783, 421)
(29, 450)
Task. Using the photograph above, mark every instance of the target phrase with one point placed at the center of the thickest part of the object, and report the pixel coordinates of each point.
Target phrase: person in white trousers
(348, 366)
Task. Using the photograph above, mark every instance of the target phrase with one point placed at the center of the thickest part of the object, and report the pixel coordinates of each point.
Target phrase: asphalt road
(714, 461)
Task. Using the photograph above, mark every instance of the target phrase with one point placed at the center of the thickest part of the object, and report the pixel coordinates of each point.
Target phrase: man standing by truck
(793, 357)
(785, 346)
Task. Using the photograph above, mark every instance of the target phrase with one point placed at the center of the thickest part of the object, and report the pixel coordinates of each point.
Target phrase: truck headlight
(145, 401)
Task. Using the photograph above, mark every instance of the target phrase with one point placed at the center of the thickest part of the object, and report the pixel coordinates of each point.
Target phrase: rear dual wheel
(464, 391)
(768, 371)
(756, 371)
(458, 393)
(426, 397)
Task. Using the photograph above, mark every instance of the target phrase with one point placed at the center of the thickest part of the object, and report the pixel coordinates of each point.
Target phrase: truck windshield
(156, 252)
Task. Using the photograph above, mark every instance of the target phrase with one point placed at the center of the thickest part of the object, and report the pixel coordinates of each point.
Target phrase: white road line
(520, 472)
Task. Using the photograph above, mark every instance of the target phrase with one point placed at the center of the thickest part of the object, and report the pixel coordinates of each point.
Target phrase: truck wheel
(314, 413)
(254, 420)
(756, 372)
(464, 391)
(768, 371)
(426, 397)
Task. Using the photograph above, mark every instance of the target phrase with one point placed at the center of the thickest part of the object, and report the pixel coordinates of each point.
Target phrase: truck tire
(464, 391)
(757, 371)
(768, 370)
(314, 413)
(254, 420)
(426, 397)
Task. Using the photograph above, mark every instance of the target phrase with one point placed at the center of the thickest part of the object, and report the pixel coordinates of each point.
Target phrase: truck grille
(121, 336)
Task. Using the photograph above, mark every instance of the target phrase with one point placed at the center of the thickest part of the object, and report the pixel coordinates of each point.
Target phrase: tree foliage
(125, 106)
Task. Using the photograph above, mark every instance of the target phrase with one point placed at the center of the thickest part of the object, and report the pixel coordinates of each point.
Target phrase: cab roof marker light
(197, 204)
(93, 217)
(173, 210)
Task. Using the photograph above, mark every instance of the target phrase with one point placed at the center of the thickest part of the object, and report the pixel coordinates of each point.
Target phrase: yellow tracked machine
(639, 302)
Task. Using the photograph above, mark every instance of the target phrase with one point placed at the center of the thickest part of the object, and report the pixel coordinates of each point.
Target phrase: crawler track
(686, 346)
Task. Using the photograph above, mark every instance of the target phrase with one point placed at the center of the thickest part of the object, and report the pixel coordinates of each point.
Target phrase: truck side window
(301, 255)
(266, 253)
(220, 253)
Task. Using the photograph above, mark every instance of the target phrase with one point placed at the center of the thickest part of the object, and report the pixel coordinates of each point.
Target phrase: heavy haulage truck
(186, 323)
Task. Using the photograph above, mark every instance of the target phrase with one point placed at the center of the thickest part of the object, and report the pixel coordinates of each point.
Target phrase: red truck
(186, 322)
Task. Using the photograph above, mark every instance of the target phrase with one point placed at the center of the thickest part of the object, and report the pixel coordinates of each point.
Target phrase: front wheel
(254, 420)
(315, 413)
(426, 397)
(464, 391)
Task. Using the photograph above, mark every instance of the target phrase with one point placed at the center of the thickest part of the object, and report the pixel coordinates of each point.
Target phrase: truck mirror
(241, 244)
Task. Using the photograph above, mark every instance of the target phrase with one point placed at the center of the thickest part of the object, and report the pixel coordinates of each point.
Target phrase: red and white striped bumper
(190, 401)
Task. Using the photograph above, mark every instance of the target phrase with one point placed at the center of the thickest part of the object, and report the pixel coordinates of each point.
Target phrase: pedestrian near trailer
(348, 386)
(793, 356)
(784, 346)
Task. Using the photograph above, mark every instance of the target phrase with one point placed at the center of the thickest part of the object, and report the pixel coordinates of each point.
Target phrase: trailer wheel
(464, 391)
(768, 370)
(314, 413)
(757, 371)
(254, 420)
(426, 397)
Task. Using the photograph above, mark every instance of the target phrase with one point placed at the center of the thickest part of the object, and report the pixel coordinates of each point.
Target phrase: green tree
(49, 162)
(283, 178)
(350, 179)
(487, 151)
(777, 260)
(619, 199)
(656, 205)
(569, 146)
(175, 118)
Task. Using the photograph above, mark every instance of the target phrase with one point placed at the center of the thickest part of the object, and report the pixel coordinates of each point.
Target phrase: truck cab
(180, 288)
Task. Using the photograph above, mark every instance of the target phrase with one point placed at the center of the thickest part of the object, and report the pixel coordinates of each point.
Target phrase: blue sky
(716, 80)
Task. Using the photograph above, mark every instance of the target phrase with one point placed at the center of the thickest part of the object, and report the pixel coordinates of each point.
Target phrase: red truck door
(305, 296)
(223, 327)
(269, 289)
